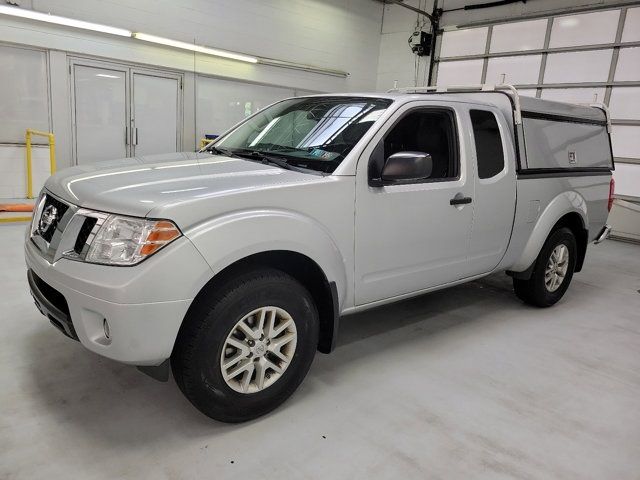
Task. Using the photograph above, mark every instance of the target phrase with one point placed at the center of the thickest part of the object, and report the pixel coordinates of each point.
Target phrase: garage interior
(465, 382)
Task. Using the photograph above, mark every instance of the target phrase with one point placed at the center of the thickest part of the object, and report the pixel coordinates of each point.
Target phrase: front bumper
(51, 304)
(144, 305)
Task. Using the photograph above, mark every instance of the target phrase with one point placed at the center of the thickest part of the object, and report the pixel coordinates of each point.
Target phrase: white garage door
(581, 58)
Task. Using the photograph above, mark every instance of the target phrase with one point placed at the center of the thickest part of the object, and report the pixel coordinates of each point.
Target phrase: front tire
(244, 351)
(552, 272)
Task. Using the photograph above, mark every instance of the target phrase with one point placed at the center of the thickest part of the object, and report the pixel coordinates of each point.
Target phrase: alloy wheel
(258, 349)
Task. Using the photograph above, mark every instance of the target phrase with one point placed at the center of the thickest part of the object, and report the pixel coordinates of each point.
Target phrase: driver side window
(426, 130)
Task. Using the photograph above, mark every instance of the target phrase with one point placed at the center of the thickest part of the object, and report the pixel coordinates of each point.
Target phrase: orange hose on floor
(16, 207)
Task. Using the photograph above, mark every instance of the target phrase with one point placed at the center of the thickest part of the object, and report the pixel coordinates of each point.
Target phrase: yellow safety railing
(204, 142)
(52, 156)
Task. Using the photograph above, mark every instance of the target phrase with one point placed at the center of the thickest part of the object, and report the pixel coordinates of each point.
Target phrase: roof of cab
(490, 97)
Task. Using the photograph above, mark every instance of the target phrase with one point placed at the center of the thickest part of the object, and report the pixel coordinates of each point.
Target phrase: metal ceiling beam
(410, 7)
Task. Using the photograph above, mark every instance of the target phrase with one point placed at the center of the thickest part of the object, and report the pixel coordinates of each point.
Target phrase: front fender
(226, 239)
(564, 203)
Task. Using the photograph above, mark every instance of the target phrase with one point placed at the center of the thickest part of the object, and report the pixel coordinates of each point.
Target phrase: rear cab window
(488, 142)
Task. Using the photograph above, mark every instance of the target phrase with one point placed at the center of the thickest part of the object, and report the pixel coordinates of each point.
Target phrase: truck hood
(135, 186)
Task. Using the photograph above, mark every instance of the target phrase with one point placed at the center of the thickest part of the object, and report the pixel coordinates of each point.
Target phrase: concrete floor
(462, 383)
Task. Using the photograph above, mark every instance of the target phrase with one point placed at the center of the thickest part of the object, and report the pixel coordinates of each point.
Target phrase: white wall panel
(470, 41)
(24, 93)
(221, 104)
(574, 95)
(628, 68)
(584, 29)
(13, 174)
(335, 34)
(332, 33)
(396, 62)
(461, 72)
(519, 70)
(625, 103)
(518, 36)
(631, 32)
(573, 67)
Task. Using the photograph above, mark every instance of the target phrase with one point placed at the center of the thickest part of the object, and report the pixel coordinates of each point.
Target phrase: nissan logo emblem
(49, 215)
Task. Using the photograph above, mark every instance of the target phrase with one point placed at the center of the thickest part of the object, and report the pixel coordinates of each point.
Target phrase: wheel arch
(566, 210)
(299, 266)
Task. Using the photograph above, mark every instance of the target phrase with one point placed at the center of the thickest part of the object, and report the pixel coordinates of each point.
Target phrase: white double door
(122, 111)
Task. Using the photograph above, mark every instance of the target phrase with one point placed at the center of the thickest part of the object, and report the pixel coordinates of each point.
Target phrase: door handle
(135, 135)
(126, 135)
(460, 200)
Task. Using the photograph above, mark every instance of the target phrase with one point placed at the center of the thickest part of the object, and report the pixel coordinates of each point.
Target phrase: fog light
(105, 325)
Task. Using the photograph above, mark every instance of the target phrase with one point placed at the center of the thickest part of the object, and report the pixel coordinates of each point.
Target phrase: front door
(410, 237)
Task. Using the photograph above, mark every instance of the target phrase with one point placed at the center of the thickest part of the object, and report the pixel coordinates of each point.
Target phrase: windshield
(314, 133)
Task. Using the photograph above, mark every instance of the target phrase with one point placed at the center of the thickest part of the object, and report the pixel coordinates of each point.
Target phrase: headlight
(129, 240)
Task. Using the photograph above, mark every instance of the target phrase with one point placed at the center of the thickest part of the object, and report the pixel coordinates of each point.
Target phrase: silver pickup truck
(232, 266)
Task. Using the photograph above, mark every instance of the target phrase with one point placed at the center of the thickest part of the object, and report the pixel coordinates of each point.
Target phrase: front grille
(60, 209)
(84, 233)
(64, 230)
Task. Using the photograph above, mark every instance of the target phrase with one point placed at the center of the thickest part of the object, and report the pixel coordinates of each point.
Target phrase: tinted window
(488, 143)
(429, 131)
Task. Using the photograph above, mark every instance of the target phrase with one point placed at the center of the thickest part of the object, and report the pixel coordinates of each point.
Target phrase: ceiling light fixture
(195, 48)
(69, 22)
(96, 27)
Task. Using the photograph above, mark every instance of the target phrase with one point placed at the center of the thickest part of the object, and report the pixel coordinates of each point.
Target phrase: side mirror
(407, 166)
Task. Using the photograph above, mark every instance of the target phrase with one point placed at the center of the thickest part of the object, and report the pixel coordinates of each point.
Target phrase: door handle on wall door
(135, 135)
(126, 135)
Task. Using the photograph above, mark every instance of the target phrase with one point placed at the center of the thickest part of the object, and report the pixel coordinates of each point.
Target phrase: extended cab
(233, 265)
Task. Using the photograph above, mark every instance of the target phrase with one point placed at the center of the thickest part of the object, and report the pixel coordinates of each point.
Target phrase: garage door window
(489, 151)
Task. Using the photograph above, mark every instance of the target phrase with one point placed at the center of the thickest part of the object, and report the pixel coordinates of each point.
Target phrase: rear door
(495, 189)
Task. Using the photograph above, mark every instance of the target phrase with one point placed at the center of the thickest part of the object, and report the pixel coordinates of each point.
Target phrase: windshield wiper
(222, 151)
(269, 159)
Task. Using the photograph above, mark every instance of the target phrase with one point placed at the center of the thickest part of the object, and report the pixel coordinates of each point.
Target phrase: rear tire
(552, 272)
(237, 329)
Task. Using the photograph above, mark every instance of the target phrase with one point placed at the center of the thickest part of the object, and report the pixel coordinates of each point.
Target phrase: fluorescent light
(104, 75)
(194, 48)
(69, 22)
